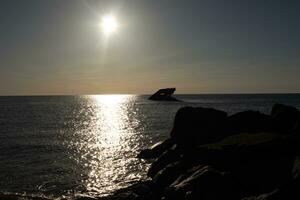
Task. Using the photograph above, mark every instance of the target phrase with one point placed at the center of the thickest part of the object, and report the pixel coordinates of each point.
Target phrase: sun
(109, 24)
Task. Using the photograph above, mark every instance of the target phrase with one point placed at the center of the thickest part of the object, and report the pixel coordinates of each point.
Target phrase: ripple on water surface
(106, 144)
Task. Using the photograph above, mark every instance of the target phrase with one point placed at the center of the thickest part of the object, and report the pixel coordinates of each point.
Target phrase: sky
(57, 47)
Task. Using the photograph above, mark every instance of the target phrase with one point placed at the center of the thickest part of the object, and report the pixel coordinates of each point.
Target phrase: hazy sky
(225, 46)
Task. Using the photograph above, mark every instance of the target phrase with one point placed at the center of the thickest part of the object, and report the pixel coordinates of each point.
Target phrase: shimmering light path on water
(61, 146)
(107, 147)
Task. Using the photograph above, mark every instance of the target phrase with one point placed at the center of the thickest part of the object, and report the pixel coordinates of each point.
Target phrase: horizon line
(233, 93)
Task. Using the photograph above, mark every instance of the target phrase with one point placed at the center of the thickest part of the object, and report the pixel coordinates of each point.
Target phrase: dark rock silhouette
(167, 176)
(164, 95)
(249, 121)
(194, 126)
(171, 155)
(157, 150)
(287, 191)
(204, 182)
(258, 164)
(286, 118)
(211, 156)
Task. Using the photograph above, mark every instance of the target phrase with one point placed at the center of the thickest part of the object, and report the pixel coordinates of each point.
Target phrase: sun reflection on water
(107, 145)
(112, 115)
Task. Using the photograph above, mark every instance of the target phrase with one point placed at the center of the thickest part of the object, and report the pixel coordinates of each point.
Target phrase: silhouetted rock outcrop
(204, 182)
(284, 192)
(167, 176)
(156, 150)
(212, 156)
(194, 126)
(164, 95)
(286, 118)
(249, 121)
(171, 155)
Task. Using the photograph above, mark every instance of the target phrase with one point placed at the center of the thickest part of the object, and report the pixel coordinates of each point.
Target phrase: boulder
(165, 159)
(259, 162)
(262, 172)
(84, 197)
(167, 176)
(249, 121)
(288, 191)
(296, 168)
(194, 126)
(205, 156)
(138, 191)
(157, 150)
(143, 191)
(266, 196)
(286, 118)
(205, 183)
(128, 195)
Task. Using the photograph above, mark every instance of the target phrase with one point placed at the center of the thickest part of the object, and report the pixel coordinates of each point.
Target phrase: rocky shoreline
(210, 156)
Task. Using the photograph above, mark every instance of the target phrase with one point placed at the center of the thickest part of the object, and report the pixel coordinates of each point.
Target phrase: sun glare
(109, 24)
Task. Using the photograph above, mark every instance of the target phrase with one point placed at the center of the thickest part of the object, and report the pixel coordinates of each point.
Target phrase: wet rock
(15, 196)
(137, 191)
(194, 126)
(84, 197)
(205, 183)
(157, 150)
(129, 195)
(286, 118)
(266, 196)
(249, 121)
(143, 191)
(166, 158)
(167, 176)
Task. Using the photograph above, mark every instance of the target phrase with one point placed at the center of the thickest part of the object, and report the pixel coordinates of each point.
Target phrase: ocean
(63, 146)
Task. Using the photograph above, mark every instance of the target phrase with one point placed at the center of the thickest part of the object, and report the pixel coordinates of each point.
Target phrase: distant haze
(200, 46)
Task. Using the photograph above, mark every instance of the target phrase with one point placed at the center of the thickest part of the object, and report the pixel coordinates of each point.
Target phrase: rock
(157, 150)
(137, 191)
(128, 195)
(15, 196)
(262, 172)
(288, 191)
(143, 191)
(286, 118)
(266, 196)
(164, 95)
(187, 173)
(205, 183)
(166, 158)
(167, 176)
(205, 156)
(259, 164)
(84, 197)
(296, 168)
(249, 121)
(292, 143)
(194, 126)
(211, 156)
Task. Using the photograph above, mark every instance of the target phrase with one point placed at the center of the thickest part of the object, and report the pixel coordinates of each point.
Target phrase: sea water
(61, 146)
